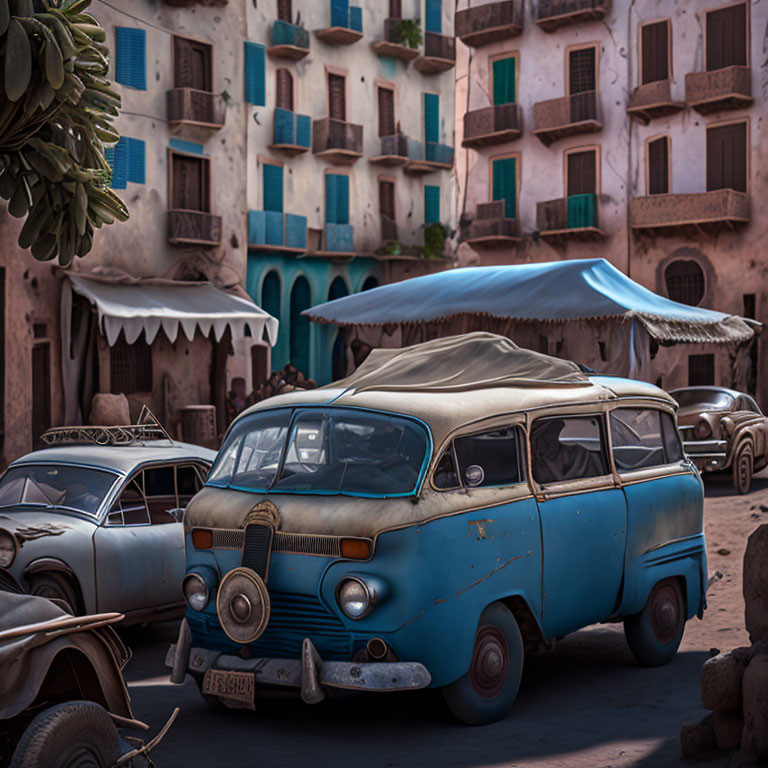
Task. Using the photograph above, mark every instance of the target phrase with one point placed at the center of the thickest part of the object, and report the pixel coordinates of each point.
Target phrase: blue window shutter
(273, 188)
(304, 130)
(284, 120)
(504, 178)
(330, 197)
(119, 163)
(130, 57)
(190, 147)
(257, 226)
(340, 13)
(434, 20)
(431, 117)
(431, 204)
(136, 161)
(342, 199)
(255, 77)
(356, 19)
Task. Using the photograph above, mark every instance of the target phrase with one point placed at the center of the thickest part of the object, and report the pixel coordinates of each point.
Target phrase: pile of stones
(734, 685)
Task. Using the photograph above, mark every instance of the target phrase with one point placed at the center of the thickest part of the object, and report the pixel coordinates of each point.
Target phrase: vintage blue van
(431, 519)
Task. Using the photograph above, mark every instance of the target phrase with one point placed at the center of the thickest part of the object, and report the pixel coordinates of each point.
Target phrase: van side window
(567, 448)
(643, 437)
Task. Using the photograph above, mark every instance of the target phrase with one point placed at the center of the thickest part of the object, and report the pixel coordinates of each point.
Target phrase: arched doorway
(338, 290)
(370, 282)
(301, 299)
(270, 294)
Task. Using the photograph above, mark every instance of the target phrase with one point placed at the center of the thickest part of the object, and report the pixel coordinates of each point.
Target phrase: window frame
(579, 47)
(747, 148)
(500, 57)
(518, 158)
(207, 47)
(747, 31)
(206, 190)
(670, 70)
(653, 467)
(650, 140)
(598, 162)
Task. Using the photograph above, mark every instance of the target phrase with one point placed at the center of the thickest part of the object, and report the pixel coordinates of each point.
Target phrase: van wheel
(54, 586)
(655, 633)
(486, 692)
(742, 469)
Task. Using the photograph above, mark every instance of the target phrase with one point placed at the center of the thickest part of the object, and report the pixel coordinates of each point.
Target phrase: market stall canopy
(551, 291)
(148, 305)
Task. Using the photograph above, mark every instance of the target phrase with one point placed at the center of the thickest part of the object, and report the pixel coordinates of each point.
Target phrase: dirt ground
(585, 705)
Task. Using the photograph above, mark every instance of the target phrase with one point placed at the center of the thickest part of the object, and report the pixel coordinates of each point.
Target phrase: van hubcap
(665, 613)
(490, 662)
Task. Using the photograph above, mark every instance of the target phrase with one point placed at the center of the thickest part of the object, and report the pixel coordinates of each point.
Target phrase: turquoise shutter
(342, 200)
(504, 173)
(136, 161)
(130, 57)
(330, 198)
(431, 117)
(273, 188)
(431, 204)
(255, 74)
(504, 81)
(356, 19)
(117, 157)
(434, 20)
(340, 13)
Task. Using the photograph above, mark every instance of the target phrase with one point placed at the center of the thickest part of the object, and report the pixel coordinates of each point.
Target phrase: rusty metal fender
(43, 564)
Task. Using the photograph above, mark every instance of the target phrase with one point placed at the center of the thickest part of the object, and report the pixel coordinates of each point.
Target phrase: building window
(336, 198)
(284, 89)
(130, 366)
(655, 52)
(581, 189)
(387, 210)
(582, 83)
(270, 296)
(727, 157)
(701, 370)
(431, 118)
(127, 160)
(431, 205)
(685, 282)
(284, 10)
(395, 9)
(726, 40)
(504, 184)
(130, 57)
(337, 100)
(190, 183)
(503, 75)
(658, 166)
(192, 64)
(434, 16)
(386, 112)
(273, 187)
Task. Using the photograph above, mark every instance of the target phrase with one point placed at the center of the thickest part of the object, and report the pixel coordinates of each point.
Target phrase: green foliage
(56, 111)
(409, 33)
(434, 240)
(393, 248)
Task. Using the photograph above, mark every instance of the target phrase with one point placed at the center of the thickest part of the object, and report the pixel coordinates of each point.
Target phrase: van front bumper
(235, 679)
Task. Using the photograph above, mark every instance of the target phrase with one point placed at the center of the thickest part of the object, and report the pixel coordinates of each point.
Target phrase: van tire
(488, 689)
(654, 634)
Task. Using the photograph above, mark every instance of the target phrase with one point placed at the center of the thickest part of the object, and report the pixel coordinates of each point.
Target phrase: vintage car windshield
(323, 450)
(709, 398)
(58, 487)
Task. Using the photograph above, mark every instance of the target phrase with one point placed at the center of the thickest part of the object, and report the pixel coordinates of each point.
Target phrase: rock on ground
(697, 737)
(755, 582)
(755, 705)
(721, 682)
(728, 729)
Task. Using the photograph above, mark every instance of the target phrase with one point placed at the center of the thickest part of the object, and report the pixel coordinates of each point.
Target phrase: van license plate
(229, 685)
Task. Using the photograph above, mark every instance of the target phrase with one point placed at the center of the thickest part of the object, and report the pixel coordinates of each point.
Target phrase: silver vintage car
(94, 520)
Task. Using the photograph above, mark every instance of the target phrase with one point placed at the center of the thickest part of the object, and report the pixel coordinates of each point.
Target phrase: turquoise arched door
(338, 362)
(301, 299)
(270, 302)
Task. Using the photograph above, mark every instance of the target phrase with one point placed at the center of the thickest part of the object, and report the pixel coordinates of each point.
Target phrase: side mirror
(177, 514)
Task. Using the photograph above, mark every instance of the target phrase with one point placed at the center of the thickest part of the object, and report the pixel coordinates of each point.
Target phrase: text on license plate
(229, 685)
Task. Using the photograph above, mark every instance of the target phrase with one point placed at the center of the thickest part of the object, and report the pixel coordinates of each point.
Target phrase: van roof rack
(146, 429)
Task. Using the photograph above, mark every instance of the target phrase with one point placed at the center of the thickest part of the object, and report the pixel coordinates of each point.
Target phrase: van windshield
(323, 450)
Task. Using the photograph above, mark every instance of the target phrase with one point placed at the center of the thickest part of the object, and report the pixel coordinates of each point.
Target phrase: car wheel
(77, 734)
(55, 586)
(488, 689)
(655, 633)
(742, 469)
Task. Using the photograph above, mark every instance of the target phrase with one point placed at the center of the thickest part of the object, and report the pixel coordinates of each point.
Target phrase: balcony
(439, 54)
(492, 125)
(553, 14)
(191, 3)
(729, 88)
(198, 112)
(566, 116)
(573, 217)
(292, 133)
(721, 209)
(288, 41)
(346, 26)
(489, 23)
(337, 142)
(653, 100)
(394, 151)
(491, 228)
(393, 43)
(277, 232)
(426, 157)
(194, 228)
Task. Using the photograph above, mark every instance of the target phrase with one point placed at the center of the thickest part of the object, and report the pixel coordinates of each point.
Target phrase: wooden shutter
(431, 117)
(655, 43)
(504, 81)
(284, 89)
(191, 64)
(387, 199)
(582, 173)
(658, 166)
(431, 204)
(41, 391)
(395, 9)
(255, 74)
(130, 366)
(273, 187)
(727, 37)
(434, 16)
(727, 157)
(581, 70)
(130, 57)
(190, 183)
(504, 182)
(337, 101)
(386, 112)
(284, 10)
(701, 370)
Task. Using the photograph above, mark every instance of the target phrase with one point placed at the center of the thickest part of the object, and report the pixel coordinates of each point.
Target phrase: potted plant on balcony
(434, 240)
(408, 33)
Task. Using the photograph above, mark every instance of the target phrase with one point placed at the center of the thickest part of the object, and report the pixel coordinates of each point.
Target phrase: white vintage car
(94, 520)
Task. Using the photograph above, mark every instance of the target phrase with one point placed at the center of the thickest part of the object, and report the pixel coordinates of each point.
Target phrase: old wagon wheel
(742, 468)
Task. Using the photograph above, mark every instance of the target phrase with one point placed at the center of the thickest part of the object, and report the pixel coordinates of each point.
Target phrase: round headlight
(195, 591)
(354, 598)
(7, 549)
(703, 430)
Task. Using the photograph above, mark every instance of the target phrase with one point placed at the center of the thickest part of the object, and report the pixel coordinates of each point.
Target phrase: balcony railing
(670, 214)
(188, 106)
(288, 41)
(491, 227)
(392, 44)
(439, 54)
(492, 125)
(346, 25)
(338, 238)
(394, 150)
(553, 14)
(277, 231)
(425, 157)
(573, 216)
(337, 141)
(190, 3)
(566, 116)
(490, 22)
(292, 132)
(729, 88)
(193, 228)
(652, 100)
